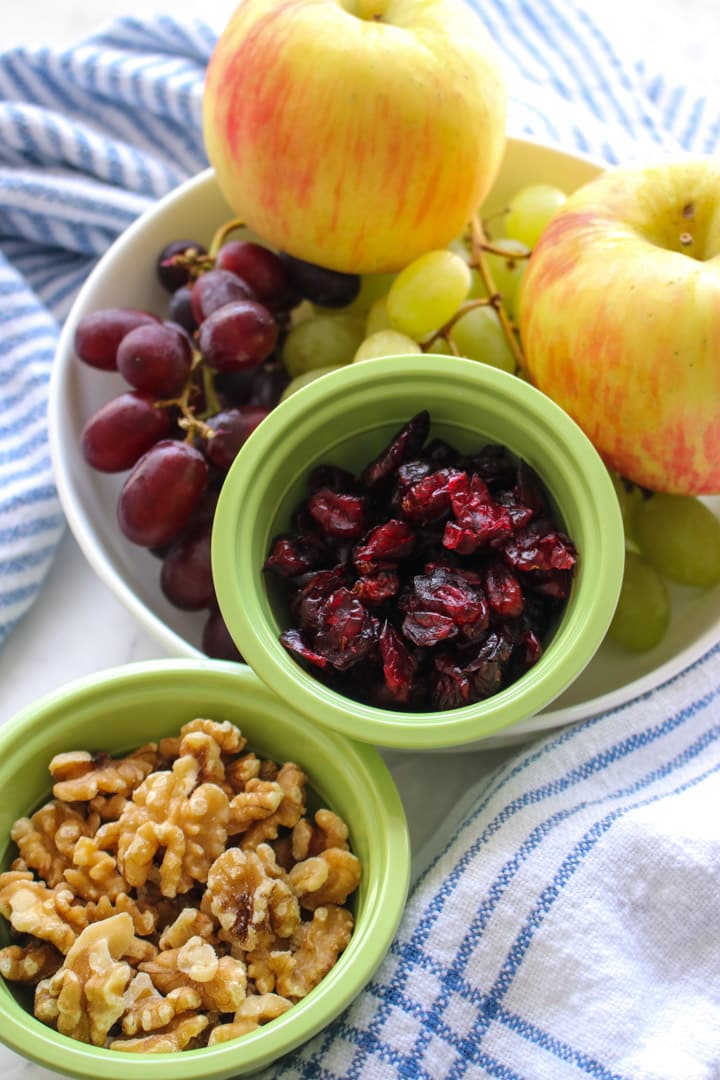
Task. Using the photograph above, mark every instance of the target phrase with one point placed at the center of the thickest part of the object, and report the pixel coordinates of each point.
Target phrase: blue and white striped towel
(570, 927)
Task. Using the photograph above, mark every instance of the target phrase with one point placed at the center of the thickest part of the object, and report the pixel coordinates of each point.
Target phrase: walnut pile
(177, 897)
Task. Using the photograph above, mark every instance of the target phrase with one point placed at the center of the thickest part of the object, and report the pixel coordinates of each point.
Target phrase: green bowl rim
(368, 945)
(584, 624)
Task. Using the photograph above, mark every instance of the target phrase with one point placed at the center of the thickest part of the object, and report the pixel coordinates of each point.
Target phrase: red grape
(98, 335)
(232, 429)
(122, 430)
(215, 289)
(172, 276)
(216, 640)
(237, 335)
(260, 268)
(161, 493)
(186, 576)
(181, 310)
(268, 384)
(156, 358)
(329, 288)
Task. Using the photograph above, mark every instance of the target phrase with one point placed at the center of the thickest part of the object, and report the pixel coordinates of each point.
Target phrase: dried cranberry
(333, 477)
(520, 514)
(403, 445)
(293, 555)
(503, 591)
(408, 474)
(494, 464)
(532, 648)
(440, 454)
(347, 630)
(554, 583)
(449, 592)
(478, 520)
(377, 587)
(427, 628)
(398, 664)
(293, 642)
(338, 515)
(528, 488)
(392, 540)
(450, 687)
(534, 548)
(430, 498)
(307, 604)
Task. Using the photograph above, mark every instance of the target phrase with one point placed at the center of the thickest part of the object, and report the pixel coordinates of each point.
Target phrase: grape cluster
(199, 383)
(460, 300)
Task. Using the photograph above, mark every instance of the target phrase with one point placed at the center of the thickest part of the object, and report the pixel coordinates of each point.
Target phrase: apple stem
(221, 235)
(479, 246)
(372, 10)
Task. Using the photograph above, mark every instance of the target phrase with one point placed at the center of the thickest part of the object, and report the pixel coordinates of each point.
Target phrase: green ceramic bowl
(346, 417)
(124, 707)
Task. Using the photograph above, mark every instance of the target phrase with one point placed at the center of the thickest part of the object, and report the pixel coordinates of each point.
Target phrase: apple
(619, 317)
(356, 134)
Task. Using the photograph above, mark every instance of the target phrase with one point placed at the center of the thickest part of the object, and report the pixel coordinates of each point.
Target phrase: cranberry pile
(430, 581)
(198, 384)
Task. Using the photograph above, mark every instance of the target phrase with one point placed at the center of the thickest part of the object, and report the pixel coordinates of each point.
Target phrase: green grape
(440, 347)
(629, 497)
(386, 343)
(428, 292)
(479, 336)
(377, 317)
(507, 271)
(459, 247)
(307, 377)
(530, 210)
(680, 536)
(322, 341)
(477, 285)
(642, 615)
(372, 288)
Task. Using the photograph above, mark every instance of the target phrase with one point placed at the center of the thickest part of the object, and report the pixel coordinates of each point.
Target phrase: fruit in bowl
(321, 119)
(127, 276)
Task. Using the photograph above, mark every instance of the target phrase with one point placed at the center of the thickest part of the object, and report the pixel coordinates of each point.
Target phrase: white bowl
(125, 277)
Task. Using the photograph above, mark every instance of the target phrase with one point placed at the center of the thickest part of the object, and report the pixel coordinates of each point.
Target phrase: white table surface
(77, 626)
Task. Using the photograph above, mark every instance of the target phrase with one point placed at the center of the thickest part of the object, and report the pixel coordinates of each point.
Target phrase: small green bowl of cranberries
(418, 551)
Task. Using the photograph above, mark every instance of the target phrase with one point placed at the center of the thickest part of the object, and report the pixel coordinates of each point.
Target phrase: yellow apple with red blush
(356, 134)
(619, 317)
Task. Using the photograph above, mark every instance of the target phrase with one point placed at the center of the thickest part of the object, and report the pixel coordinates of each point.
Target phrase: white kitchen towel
(570, 928)
(90, 135)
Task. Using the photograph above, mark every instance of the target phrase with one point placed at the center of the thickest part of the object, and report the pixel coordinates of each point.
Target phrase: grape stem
(509, 256)
(478, 248)
(445, 331)
(221, 234)
(211, 399)
(189, 422)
